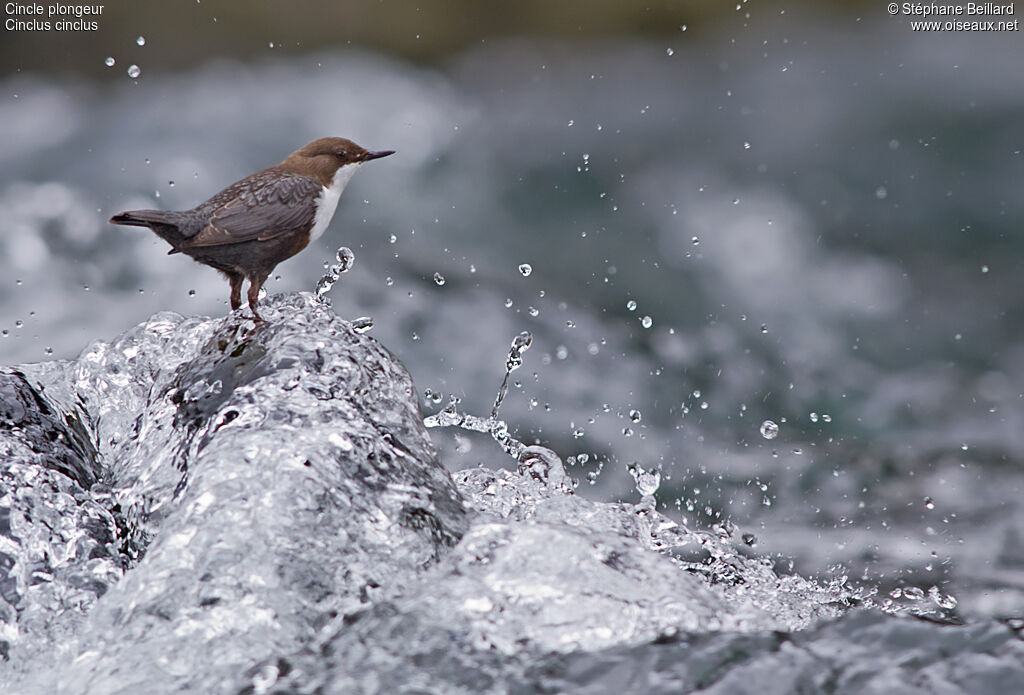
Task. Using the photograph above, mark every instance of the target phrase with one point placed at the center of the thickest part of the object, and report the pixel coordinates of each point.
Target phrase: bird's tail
(143, 218)
(164, 223)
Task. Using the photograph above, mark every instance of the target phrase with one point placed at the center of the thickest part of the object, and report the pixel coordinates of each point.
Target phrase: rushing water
(211, 505)
(772, 288)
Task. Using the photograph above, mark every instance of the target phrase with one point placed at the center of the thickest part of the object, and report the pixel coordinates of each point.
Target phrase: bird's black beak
(377, 155)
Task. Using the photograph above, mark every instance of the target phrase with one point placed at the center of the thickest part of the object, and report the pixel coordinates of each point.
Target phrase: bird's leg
(236, 290)
(255, 284)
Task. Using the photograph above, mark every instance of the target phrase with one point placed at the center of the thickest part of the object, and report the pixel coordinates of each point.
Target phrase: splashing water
(520, 344)
(450, 417)
(358, 559)
(346, 259)
(647, 481)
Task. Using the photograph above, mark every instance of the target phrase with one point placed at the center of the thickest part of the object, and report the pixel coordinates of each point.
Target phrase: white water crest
(215, 506)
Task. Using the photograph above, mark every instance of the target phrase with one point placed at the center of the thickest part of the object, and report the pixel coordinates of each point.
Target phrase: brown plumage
(252, 225)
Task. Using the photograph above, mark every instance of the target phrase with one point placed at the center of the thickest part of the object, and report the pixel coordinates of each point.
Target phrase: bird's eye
(341, 154)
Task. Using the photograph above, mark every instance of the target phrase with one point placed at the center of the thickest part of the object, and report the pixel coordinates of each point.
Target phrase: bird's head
(323, 158)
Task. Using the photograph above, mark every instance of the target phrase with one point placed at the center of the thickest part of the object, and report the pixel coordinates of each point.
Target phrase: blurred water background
(708, 220)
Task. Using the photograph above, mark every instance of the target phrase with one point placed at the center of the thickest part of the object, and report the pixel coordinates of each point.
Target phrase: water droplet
(646, 322)
(929, 503)
(520, 344)
(362, 324)
(134, 71)
(669, 51)
(533, 311)
(813, 417)
(913, 593)
(393, 238)
(695, 241)
(631, 305)
(578, 433)
(109, 62)
(191, 293)
(769, 430)
(764, 327)
(984, 268)
(346, 258)
(19, 323)
(746, 145)
(48, 350)
(826, 417)
(635, 415)
(141, 40)
(525, 269)
(881, 193)
(941, 600)
(439, 279)
(647, 482)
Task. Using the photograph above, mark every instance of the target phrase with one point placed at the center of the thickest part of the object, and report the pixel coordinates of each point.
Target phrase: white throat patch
(328, 201)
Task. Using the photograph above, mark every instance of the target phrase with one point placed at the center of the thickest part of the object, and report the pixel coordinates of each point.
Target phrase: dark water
(818, 224)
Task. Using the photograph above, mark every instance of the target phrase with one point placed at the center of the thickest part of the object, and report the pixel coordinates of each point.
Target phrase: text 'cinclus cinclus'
(252, 225)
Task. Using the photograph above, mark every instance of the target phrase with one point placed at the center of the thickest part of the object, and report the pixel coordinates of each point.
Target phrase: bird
(255, 223)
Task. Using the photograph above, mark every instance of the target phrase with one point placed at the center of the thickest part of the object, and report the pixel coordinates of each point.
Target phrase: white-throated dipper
(252, 225)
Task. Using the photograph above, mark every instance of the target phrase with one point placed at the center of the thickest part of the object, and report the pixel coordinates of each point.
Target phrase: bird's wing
(265, 209)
